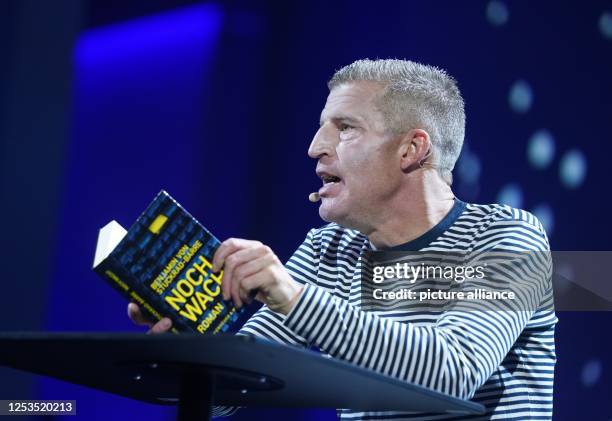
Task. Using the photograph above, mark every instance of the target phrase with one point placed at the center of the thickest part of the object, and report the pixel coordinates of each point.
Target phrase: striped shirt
(503, 360)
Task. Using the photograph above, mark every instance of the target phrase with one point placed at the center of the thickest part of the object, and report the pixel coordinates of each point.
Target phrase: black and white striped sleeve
(456, 355)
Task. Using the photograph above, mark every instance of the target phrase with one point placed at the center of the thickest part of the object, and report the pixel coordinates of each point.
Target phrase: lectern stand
(196, 371)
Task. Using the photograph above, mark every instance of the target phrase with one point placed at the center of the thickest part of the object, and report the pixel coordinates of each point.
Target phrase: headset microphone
(314, 197)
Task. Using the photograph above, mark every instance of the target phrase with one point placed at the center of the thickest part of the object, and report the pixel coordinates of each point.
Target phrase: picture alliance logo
(412, 273)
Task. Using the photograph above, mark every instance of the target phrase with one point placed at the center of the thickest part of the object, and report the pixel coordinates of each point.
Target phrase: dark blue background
(103, 103)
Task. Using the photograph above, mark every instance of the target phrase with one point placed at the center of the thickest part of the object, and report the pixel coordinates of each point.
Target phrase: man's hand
(251, 269)
(138, 318)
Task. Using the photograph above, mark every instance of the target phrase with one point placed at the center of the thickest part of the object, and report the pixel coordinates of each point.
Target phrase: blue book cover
(164, 264)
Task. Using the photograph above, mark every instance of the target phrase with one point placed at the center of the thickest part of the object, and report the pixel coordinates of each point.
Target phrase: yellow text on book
(189, 301)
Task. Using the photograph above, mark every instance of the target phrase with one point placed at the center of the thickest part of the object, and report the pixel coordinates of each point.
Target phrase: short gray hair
(416, 96)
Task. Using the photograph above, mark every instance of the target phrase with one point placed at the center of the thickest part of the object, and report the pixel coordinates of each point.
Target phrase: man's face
(358, 161)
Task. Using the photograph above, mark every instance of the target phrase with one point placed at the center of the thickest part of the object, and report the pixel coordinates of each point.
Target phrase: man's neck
(429, 203)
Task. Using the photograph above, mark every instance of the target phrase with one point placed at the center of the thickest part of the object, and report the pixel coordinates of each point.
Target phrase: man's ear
(414, 148)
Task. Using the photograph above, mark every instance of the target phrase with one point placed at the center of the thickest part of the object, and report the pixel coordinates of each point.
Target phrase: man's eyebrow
(340, 118)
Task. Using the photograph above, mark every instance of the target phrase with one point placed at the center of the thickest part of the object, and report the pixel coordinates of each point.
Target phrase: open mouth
(329, 179)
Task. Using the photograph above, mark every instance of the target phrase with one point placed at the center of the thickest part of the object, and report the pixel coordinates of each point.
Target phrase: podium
(196, 372)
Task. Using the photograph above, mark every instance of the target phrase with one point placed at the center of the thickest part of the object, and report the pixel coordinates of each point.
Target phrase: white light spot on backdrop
(468, 166)
(497, 13)
(468, 172)
(605, 25)
(591, 372)
(520, 96)
(572, 169)
(541, 149)
(511, 195)
(546, 216)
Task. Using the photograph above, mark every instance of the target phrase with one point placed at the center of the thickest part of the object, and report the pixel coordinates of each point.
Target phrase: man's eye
(344, 127)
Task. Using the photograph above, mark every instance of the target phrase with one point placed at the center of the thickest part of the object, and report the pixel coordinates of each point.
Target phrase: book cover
(163, 263)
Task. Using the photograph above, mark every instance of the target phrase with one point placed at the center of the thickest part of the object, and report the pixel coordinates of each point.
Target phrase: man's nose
(322, 144)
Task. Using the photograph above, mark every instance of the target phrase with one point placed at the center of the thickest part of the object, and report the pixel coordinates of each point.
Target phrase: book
(164, 264)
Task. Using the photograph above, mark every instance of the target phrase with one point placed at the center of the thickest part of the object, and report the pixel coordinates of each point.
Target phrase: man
(389, 136)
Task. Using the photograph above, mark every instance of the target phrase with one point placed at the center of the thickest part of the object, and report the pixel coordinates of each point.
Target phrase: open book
(164, 264)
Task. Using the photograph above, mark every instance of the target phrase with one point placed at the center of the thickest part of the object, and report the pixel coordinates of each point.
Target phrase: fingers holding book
(251, 268)
(138, 318)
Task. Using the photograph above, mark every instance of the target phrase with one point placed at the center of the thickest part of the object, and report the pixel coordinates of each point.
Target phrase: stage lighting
(572, 169)
(541, 149)
(497, 13)
(520, 96)
(546, 216)
(605, 25)
(468, 167)
(591, 372)
(511, 195)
